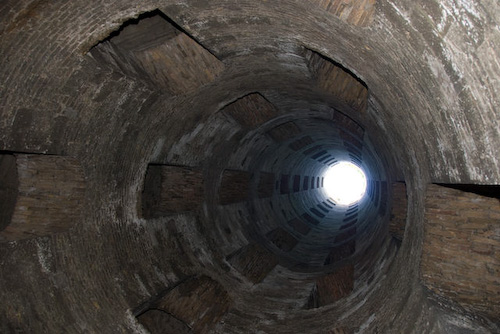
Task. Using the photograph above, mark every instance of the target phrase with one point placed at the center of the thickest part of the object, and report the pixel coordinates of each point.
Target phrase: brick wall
(199, 302)
(301, 143)
(282, 239)
(355, 12)
(234, 186)
(341, 330)
(161, 322)
(251, 111)
(347, 123)
(170, 58)
(284, 132)
(384, 193)
(341, 252)
(171, 189)
(299, 225)
(181, 65)
(461, 250)
(253, 261)
(116, 128)
(285, 184)
(49, 199)
(332, 287)
(398, 211)
(9, 185)
(338, 82)
(266, 185)
(351, 139)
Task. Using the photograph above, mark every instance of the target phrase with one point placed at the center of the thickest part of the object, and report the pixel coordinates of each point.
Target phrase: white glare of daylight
(345, 183)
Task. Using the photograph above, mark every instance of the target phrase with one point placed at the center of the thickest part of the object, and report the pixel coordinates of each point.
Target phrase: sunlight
(345, 183)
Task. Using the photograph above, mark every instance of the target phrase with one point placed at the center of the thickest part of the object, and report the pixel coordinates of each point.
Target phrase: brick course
(251, 111)
(282, 239)
(234, 186)
(358, 13)
(461, 251)
(253, 261)
(169, 57)
(399, 207)
(338, 82)
(199, 302)
(284, 132)
(161, 322)
(49, 199)
(301, 143)
(266, 185)
(332, 287)
(171, 189)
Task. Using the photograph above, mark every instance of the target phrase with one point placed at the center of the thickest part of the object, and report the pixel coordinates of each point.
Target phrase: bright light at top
(345, 183)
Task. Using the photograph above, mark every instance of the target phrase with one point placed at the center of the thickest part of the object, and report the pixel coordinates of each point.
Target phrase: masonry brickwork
(253, 261)
(399, 209)
(234, 186)
(251, 111)
(49, 198)
(338, 82)
(171, 189)
(197, 302)
(461, 253)
(358, 13)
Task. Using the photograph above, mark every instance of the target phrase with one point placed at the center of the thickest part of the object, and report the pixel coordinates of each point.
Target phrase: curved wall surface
(162, 166)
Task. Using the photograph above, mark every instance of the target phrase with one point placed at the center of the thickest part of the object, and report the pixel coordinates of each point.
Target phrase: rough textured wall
(432, 75)
(359, 13)
(234, 186)
(399, 208)
(49, 198)
(461, 254)
(171, 189)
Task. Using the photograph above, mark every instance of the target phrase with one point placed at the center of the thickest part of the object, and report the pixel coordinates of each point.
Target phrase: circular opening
(345, 183)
